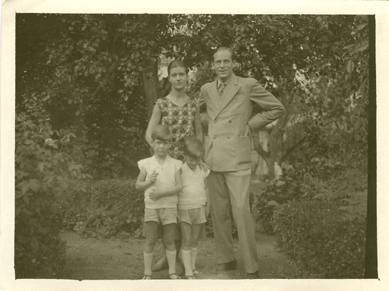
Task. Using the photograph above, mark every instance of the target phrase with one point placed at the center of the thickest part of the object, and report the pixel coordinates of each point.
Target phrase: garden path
(121, 258)
(115, 259)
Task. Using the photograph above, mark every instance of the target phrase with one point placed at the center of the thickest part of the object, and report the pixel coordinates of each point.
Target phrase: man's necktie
(221, 89)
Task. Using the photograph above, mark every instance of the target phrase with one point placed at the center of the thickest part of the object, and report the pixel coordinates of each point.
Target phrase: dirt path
(115, 259)
(99, 259)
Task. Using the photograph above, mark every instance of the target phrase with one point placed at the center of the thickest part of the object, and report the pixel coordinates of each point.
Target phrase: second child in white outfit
(192, 203)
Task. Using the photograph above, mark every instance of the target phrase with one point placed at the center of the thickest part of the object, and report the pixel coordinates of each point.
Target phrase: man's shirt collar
(218, 82)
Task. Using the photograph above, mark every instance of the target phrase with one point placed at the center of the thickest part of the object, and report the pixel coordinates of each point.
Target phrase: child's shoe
(174, 276)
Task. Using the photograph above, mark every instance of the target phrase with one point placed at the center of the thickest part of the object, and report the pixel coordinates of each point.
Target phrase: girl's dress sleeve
(142, 164)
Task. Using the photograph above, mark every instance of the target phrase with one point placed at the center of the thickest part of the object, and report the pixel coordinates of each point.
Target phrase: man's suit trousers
(234, 187)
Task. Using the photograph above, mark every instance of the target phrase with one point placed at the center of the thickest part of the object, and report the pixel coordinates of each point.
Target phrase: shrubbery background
(108, 208)
(320, 240)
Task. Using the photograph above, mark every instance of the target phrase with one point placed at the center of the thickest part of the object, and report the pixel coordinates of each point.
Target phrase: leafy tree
(100, 73)
(289, 55)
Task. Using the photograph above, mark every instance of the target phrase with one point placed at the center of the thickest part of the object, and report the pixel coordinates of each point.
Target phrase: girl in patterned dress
(182, 115)
(177, 111)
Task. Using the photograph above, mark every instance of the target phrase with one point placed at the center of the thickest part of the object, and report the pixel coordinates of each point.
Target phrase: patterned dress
(180, 120)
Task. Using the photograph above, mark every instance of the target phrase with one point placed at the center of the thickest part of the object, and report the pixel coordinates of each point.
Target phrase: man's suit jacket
(226, 146)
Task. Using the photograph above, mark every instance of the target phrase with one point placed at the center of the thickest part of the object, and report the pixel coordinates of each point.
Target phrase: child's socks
(186, 258)
(148, 261)
(171, 259)
(193, 258)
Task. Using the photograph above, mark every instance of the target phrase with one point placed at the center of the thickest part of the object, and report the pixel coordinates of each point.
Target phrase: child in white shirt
(160, 178)
(192, 203)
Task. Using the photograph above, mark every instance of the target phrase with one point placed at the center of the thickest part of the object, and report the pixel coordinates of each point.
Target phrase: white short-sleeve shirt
(193, 193)
(166, 179)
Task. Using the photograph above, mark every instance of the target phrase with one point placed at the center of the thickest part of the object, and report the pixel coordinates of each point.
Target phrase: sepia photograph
(227, 148)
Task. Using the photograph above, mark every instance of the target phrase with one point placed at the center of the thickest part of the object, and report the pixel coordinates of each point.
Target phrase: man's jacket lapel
(229, 93)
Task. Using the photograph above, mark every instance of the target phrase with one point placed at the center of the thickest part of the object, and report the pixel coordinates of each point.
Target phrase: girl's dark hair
(176, 64)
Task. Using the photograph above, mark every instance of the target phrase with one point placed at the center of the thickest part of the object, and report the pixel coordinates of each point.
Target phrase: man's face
(223, 65)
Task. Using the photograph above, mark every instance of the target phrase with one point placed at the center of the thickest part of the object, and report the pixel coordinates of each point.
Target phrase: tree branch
(109, 74)
(264, 154)
(291, 149)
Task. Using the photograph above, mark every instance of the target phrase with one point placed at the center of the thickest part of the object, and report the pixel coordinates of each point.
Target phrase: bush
(321, 239)
(297, 182)
(279, 191)
(109, 208)
(43, 176)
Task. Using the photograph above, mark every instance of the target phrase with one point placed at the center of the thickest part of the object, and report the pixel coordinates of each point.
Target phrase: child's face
(191, 162)
(161, 147)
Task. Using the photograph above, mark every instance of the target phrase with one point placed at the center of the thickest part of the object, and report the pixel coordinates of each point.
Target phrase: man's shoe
(254, 275)
(225, 267)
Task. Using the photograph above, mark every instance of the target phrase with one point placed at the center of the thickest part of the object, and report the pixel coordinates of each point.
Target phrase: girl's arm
(197, 126)
(141, 182)
(153, 122)
(208, 208)
(172, 191)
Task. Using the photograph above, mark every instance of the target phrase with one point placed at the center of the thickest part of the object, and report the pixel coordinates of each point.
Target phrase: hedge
(108, 208)
(44, 175)
(319, 240)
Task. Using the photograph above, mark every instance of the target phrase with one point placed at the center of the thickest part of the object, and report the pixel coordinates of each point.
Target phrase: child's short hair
(161, 132)
(194, 148)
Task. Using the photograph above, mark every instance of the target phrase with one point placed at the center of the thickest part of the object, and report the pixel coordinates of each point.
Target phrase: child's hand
(203, 166)
(153, 176)
(153, 194)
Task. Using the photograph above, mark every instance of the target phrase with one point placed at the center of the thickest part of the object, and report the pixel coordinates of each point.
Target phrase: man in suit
(230, 100)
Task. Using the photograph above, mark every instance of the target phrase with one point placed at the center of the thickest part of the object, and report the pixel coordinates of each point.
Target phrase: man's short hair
(223, 48)
(161, 132)
(194, 148)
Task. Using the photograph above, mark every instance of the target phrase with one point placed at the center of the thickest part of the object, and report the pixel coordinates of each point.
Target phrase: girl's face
(178, 77)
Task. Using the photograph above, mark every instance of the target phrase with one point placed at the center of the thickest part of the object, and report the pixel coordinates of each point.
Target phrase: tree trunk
(150, 82)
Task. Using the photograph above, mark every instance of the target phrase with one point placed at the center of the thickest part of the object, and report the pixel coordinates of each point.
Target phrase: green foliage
(319, 241)
(90, 71)
(286, 188)
(319, 178)
(43, 176)
(91, 81)
(109, 208)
